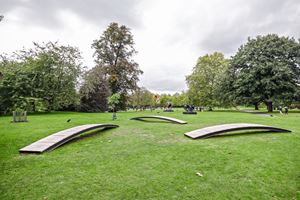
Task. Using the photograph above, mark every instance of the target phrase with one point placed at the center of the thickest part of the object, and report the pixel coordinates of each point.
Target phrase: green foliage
(179, 99)
(94, 91)
(48, 73)
(165, 98)
(266, 69)
(113, 53)
(113, 101)
(57, 69)
(141, 97)
(205, 80)
(16, 84)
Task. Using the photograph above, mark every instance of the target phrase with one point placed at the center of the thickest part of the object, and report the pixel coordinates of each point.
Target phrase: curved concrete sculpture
(258, 113)
(215, 130)
(57, 139)
(169, 119)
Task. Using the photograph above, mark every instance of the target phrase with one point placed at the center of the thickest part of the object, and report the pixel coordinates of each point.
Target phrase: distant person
(280, 109)
(202, 108)
(286, 110)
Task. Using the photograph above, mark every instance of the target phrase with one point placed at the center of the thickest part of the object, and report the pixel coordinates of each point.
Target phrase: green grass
(142, 160)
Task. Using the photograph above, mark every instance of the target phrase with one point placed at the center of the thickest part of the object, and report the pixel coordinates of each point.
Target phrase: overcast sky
(169, 34)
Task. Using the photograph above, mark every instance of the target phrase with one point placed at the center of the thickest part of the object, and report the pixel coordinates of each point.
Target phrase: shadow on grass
(89, 134)
(155, 121)
(244, 133)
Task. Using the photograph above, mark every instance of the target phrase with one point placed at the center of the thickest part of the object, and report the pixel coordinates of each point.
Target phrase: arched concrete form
(168, 119)
(57, 139)
(215, 130)
(264, 114)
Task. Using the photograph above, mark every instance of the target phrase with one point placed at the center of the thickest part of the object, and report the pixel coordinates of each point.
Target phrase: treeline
(50, 76)
(265, 70)
(142, 98)
(42, 78)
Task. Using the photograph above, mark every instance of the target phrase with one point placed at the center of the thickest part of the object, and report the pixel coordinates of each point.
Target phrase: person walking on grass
(280, 109)
(286, 110)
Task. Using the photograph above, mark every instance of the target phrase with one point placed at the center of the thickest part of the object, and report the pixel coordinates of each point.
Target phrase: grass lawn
(141, 160)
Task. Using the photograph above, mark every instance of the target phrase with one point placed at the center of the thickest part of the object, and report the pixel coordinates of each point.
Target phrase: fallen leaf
(199, 174)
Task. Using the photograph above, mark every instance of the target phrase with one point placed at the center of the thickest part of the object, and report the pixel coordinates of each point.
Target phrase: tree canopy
(265, 69)
(94, 91)
(141, 97)
(47, 73)
(47, 77)
(113, 53)
(206, 78)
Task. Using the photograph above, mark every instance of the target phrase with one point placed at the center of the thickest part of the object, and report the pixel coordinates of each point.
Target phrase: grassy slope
(151, 160)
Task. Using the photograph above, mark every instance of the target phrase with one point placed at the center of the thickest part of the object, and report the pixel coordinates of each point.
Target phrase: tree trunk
(114, 114)
(25, 116)
(269, 106)
(33, 106)
(49, 108)
(256, 106)
(14, 116)
(50, 104)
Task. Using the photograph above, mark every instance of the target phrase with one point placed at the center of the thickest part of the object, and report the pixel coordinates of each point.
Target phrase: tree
(141, 97)
(113, 101)
(113, 52)
(205, 79)
(15, 85)
(179, 99)
(57, 70)
(94, 91)
(164, 99)
(265, 69)
(48, 73)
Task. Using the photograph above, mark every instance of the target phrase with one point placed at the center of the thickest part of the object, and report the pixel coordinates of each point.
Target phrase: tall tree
(57, 71)
(94, 91)
(206, 78)
(113, 52)
(265, 69)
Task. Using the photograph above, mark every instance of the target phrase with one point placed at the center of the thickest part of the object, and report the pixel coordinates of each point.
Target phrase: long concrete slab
(169, 119)
(219, 129)
(57, 139)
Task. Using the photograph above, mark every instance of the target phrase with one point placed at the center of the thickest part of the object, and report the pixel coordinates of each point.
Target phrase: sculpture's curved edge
(169, 119)
(71, 137)
(268, 128)
(103, 126)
